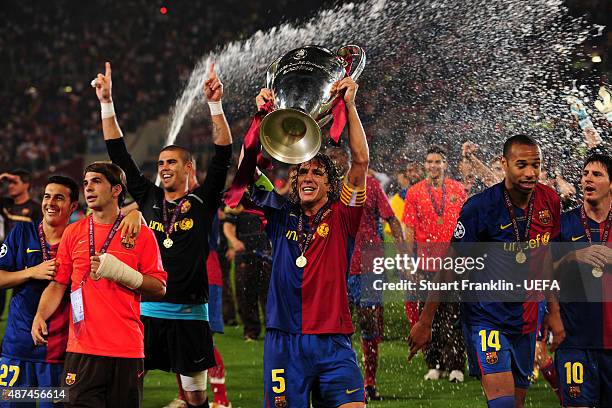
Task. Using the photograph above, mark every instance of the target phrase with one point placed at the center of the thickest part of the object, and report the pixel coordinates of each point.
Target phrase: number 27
(5, 370)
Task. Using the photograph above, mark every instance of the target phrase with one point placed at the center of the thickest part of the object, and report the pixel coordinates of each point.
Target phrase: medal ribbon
(46, 251)
(515, 227)
(169, 228)
(111, 234)
(587, 230)
(305, 243)
(438, 210)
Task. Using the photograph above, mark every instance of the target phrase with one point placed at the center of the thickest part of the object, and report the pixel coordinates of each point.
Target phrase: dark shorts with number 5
(298, 367)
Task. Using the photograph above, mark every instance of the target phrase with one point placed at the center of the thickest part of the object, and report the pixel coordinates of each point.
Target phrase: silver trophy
(301, 81)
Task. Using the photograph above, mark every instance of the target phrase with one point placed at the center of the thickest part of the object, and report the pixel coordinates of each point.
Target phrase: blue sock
(502, 402)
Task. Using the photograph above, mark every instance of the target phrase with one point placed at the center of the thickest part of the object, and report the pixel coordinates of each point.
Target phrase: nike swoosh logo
(140, 374)
(352, 391)
(503, 227)
(81, 241)
(32, 250)
(199, 361)
(577, 238)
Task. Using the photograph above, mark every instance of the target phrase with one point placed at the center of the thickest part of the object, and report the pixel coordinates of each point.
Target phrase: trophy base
(290, 136)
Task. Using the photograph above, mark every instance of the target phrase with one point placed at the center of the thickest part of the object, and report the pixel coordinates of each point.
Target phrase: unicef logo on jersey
(459, 231)
(3, 250)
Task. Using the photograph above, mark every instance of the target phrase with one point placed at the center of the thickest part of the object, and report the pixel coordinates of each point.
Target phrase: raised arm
(360, 154)
(213, 89)
(117, 151)
(103, 85)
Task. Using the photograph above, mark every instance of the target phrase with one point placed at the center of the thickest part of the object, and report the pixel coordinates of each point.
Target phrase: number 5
(277, 377)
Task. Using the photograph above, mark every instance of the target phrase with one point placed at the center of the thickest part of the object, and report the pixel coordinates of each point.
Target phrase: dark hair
(113, 174)
(340, 156)
(435, 149)
(518, 140)
(66, 182)
(334, 178)
(602, 158)
(24, 175)
(185, 154)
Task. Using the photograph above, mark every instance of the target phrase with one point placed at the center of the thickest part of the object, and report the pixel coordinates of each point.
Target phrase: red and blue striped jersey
(588, 324)
(20, 250)
(312, 299)
(485, 218)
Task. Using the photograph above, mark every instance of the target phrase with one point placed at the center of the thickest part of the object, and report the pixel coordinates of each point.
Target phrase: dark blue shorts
(297, 366)
(585, 377)
(215, 308)
(491, 351)
(19, 373)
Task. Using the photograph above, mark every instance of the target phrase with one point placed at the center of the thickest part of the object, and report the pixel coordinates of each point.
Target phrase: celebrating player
(584, 359)
(431, 210)
(500, 337)
(107, 276)
(307, 348)
(27, 264)
(177, 333)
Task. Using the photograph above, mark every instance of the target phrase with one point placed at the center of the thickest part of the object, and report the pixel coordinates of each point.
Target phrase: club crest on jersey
(544, 216)
(185, 207)
(3, 250)
(459, 230)
(128, 242)
(280, 401)
(323, 230)
(491, 357)
(186, 224)
(453, 198)
(70, 378)
(25, 211)
(574, 391)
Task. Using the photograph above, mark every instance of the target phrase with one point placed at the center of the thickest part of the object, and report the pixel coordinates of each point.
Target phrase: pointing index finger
(108, 69)
(211, 70)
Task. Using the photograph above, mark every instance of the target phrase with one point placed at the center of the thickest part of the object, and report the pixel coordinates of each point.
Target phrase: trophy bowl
(302, 81)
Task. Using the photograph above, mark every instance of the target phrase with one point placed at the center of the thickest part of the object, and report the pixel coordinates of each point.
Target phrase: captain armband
(264, 183)
(351, 196)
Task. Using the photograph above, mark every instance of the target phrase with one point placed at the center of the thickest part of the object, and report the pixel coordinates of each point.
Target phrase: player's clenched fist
(95, 264)
(103, 85)
(265, 95)
(349, 86)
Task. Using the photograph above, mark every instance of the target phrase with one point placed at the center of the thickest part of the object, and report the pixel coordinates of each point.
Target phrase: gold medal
(521, 257)
(597, 272)
(301, 261)
(440, 220)
(168, 242)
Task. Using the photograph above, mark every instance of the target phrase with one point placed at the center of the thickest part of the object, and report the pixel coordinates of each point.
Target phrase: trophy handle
(353, 51)
(271, 73)
(325, 120)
